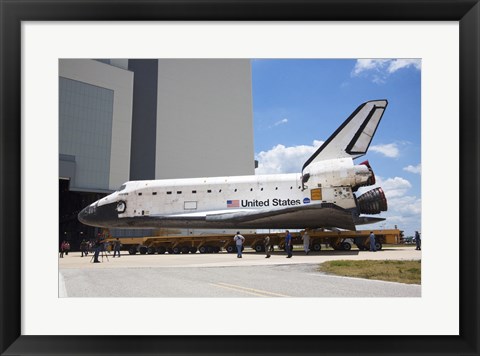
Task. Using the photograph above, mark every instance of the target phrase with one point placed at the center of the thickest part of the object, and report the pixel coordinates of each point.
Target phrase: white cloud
(414, 169)
(389, 150)
(363, 65)
(281, 122)
(378, 79)
(407, 205)
(378, 70)
(396, 183)
(393, 187)
(397, 64)
(403, 210)
(281, 159)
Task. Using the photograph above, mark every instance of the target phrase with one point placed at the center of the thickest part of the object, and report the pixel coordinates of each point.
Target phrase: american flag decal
(233, 203)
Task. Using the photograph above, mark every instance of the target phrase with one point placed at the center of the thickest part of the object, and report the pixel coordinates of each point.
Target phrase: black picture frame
(466, 12)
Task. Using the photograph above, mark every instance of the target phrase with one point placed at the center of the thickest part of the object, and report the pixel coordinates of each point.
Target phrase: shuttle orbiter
(323, 194)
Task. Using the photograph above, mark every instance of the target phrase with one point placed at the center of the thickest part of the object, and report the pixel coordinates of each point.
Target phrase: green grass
(392, 271)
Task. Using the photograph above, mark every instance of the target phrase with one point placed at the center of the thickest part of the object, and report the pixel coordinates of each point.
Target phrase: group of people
(240, 240)
(85, 247)
(97, 246)
(100, 247)
(64, 248)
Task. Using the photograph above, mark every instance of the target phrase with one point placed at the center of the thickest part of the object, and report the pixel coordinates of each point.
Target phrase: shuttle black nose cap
(101, 216)
(87, 215)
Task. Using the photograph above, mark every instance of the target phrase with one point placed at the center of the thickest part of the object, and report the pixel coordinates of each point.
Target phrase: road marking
(238, 290)
(257, 292)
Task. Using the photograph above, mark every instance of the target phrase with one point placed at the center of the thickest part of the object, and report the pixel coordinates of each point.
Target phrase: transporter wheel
(203, 249)
(151, 250)
(209, 249)
(378, 245)
(132, 250)
(346, 246)
(337, 247)
(143, 250)
(316, 246)
(193, 250)
(161, 250)
(231, 249)
(185, 249)
(259, 248)
(216, 249)
(170, 250)
(176, 250)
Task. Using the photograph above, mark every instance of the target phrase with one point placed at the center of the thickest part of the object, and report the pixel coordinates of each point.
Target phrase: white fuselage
(228, 194)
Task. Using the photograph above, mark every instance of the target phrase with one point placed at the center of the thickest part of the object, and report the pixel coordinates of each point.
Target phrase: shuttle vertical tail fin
(353, 137)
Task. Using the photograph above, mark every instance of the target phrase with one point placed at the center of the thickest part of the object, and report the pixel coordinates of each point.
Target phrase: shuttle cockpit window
(122, 187)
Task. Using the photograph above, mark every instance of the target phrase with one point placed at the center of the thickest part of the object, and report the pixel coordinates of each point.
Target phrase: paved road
(215, 276)
(223, 259)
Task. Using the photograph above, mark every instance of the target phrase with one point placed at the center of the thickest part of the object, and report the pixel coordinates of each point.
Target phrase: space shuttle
(323, 195)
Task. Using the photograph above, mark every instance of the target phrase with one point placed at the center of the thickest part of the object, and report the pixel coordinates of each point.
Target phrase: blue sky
(298, 103)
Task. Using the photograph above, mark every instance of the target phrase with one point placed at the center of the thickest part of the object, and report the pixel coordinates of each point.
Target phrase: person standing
(288, 244)
(373, 247)
(116, 247)
(83, 247)
(306, 242)
(266, 241)
(239, 240)
(418, 241)
(62, 248)
(67, 247)
(98, 248)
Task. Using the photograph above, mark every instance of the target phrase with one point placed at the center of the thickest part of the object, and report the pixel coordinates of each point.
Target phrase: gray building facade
(95, 120)
(204, 118)
(137, 119)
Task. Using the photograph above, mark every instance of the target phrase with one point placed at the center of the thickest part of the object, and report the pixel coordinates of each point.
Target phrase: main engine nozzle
(372, 202)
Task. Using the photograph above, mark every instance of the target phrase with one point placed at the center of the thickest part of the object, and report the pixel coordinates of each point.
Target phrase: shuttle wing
(306, 216)
(353, 137)
(328, 215)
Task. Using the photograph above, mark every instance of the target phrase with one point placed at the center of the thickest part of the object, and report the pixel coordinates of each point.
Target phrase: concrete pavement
(223, 259)
(224, 275)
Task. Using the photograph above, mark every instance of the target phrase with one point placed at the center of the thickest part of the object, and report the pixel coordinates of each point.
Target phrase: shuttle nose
(99, 215)
(87, 215)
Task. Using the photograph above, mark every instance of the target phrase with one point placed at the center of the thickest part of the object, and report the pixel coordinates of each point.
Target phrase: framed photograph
(442, 35)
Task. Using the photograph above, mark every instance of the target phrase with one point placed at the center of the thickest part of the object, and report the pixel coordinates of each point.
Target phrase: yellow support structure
(338, 240)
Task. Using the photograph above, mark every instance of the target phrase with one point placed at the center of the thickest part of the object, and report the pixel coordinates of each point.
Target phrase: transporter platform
(214, 243)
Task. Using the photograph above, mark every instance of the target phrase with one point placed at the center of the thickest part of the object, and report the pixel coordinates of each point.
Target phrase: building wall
(199, 121)
(95, 119)
(204, 118)
(85, 131)
(144, 122)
